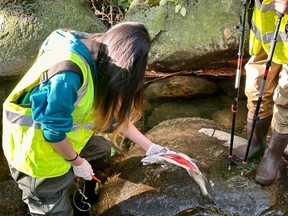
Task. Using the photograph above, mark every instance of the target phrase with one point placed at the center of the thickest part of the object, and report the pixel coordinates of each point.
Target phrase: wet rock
(134, 189)
(10, 200)
(5, 173)
(180, 86)
(137, 190)
(170, 110)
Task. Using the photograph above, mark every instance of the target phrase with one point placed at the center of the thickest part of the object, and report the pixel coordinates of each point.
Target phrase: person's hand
(84, 170)
(155, 149)
(281, 6)
(153, 153)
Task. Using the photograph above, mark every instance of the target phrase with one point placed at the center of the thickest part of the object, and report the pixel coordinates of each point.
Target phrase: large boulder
(25, 25)
(140, 190)
(180, 86)
(205, 37)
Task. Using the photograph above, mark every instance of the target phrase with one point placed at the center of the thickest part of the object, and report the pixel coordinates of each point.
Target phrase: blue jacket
(53, 101)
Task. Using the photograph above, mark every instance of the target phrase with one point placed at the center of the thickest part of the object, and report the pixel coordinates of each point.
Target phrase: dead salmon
(184, 161)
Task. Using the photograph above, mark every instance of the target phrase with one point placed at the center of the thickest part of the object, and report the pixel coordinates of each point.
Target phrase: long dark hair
(121, 64)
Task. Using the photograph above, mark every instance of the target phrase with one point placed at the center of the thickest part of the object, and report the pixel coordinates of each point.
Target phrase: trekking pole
(267, 67)
(234, 106)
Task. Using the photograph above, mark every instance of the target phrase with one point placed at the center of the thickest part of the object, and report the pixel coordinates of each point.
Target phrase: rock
(198, 40)
(134, 189)
(171, 110)
(24, 26)
(10, 200)
(5, 173)
(180, 86)
(137, 190)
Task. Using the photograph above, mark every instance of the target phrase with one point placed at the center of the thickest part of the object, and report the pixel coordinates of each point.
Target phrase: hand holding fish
(155, 149)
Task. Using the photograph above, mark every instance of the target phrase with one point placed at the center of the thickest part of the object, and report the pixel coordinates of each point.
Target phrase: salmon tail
(206, 198)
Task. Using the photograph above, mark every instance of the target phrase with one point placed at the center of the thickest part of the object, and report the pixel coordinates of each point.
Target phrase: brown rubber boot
(258, 141)
(267, 170)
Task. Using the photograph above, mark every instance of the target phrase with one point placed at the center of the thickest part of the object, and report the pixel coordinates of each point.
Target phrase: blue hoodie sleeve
(53, 103)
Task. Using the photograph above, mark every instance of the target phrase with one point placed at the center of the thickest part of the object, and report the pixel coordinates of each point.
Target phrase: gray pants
(50, 196)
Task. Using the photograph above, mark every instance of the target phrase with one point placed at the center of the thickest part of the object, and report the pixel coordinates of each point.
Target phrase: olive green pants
(275, 95)
(50, 196)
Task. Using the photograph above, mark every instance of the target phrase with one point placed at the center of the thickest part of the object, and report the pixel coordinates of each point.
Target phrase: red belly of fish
(179, 160)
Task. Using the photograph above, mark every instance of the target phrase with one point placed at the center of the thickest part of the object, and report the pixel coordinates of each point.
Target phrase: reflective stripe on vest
(23, 143)
(16, 118)
(262, 32)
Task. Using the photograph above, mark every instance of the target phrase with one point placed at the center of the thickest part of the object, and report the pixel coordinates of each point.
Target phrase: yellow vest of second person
(264, 21)
(23, 143)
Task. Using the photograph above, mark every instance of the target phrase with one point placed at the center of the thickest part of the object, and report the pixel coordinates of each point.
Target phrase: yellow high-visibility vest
(23, 143)
(264, 21)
